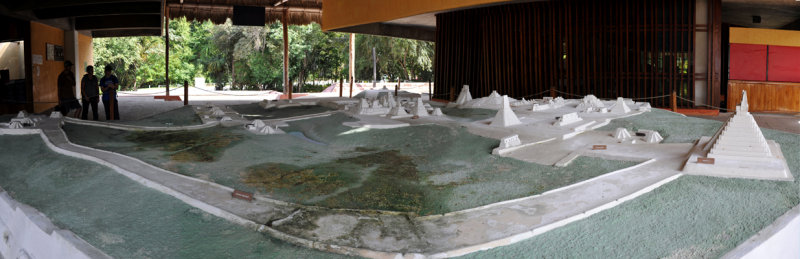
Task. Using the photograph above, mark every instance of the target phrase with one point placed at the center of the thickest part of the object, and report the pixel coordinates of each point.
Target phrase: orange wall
(765, 37)
(345, 13)
(85, 53)
(45, 75)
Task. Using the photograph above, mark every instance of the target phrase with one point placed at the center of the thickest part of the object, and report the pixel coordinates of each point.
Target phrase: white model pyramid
(226, 118)
(739, 138)
(419, 109)
(739, 149)
(258, 123)
(464, 96)
(653, 137)
(494, 102)
(14, 125)
(505, 116)
(620, 107)
(437, 112)
(622, 134)
(22, 114)
(590, 103)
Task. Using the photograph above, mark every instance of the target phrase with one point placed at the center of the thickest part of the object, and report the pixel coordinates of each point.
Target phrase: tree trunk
(233, 73)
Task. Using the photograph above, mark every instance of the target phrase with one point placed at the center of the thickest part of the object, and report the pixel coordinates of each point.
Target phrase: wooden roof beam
(139, 21)
(99, 9)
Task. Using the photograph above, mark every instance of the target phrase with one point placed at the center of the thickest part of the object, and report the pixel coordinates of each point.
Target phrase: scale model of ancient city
(386, 174)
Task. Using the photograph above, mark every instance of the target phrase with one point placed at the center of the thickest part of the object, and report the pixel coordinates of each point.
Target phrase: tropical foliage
(251, 58)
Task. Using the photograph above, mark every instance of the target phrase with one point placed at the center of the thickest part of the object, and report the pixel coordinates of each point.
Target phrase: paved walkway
(388, 234)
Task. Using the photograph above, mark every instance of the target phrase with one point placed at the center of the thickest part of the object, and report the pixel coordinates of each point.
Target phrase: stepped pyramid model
(739, 149)
(505, 116)
(739, 138)
(620, 107)
(653, 137)
(622, 134)
(464, 96)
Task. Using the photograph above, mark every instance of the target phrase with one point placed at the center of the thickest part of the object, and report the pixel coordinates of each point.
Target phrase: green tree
(396, 58)
(251, 57)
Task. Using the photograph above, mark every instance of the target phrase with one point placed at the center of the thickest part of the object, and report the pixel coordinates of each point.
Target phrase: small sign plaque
(599, 147)
(242, 195)
(705, 160)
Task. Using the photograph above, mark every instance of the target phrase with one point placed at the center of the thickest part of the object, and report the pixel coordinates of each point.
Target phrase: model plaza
(483, 168)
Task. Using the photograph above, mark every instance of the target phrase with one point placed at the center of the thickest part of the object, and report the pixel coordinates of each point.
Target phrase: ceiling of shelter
(775, 14)
(217, 11)
(114, 18)
(104, 18)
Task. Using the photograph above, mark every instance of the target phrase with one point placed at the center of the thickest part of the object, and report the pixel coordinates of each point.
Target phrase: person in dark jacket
(66, 90)
(109, 83)
(90, 93)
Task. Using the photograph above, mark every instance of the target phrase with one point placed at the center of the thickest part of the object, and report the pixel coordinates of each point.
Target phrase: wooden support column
(673, 101)
(352, 69)
(351, 87)
(341, 87)
(185, 93)
(166, 47)
(286, 86)
(430, 91)
(715, 22)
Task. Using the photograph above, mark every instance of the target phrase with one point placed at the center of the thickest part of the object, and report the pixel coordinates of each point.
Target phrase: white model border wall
(27, 233)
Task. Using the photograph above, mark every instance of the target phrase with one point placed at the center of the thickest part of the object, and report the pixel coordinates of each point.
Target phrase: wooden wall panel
(765, 96)
(634, 49)
(45, 75)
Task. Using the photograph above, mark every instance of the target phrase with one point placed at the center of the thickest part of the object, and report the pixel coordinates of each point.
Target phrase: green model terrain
(426, 169)
(122, 217)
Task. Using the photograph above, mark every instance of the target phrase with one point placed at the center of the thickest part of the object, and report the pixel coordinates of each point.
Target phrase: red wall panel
(748, 62)
(784, 64)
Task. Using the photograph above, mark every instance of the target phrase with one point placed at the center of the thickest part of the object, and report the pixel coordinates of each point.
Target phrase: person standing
(109, 83)
(66, 90)
(90, 93)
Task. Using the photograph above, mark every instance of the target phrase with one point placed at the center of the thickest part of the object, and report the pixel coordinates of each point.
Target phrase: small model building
(567, 119)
